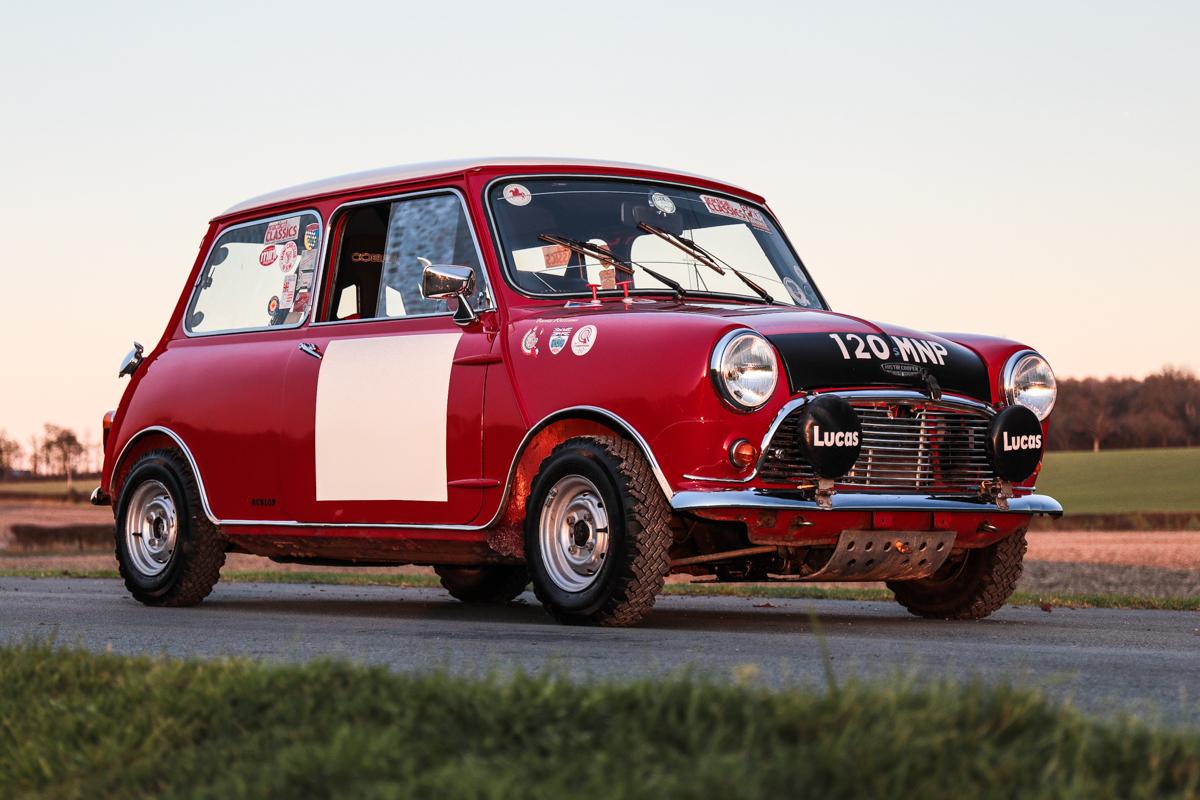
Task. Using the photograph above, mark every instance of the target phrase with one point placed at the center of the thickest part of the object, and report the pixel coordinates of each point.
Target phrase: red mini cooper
(586, 375)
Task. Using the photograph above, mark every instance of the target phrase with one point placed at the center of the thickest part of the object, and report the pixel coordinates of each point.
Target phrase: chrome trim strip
(208, 512)
(786, 501)
(862, 394)
(512, 471)
(187, 332)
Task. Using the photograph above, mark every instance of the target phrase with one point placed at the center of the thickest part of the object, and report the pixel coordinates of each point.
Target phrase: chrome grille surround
(910, 444)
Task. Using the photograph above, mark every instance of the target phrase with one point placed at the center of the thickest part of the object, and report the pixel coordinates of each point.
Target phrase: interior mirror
(446, 281)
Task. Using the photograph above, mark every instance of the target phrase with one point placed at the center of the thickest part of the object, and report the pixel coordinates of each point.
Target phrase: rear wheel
(971, 587)
(596, 533)
(168, 551)
(498, 584)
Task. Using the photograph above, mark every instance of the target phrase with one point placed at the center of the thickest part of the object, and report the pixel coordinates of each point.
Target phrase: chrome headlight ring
(744, 370)
(1028, 381)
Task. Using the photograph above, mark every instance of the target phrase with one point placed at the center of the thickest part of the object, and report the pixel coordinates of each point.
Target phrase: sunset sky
(1029, 170)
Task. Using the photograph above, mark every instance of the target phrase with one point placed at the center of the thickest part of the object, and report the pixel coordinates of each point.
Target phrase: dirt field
(1161, 563)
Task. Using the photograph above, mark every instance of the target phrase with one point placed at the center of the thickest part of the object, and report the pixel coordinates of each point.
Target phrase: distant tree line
(1160, 410)
(59, 453)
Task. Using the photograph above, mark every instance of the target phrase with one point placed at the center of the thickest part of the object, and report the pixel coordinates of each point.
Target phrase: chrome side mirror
(446, 281)
(132, 360)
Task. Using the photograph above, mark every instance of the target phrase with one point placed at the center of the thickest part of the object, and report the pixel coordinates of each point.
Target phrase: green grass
(47, 488)
(781, 591)
(78, 724)
(1124, 481)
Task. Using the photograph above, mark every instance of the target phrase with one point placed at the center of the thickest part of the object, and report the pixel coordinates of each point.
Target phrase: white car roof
(407, 172)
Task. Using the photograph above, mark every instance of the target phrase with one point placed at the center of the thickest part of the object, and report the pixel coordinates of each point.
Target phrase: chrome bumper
(791, 501)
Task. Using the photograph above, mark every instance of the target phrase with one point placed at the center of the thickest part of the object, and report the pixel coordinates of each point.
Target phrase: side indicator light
(742, 454)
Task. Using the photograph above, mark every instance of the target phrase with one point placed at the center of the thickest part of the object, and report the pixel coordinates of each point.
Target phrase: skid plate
(885, 556)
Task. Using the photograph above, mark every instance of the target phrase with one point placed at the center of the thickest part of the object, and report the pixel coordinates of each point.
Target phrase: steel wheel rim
(573, 532)
(151, 528)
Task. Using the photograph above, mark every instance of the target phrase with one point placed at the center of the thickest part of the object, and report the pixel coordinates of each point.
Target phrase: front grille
(907, 446)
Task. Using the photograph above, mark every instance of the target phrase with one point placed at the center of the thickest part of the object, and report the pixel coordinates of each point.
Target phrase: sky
(1022, 169)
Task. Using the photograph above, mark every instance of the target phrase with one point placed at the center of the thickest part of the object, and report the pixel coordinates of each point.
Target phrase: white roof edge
(407, 172)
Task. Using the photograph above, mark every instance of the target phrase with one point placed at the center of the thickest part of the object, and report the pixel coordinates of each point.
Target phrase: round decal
(287, 257)
(272, 306)
(664, 204)
(796, 292)
(583, 340)
(530, 342)
(268, 255)
(517, 195)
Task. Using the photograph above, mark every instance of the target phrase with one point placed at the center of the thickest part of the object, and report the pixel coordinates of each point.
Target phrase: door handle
(310, 349)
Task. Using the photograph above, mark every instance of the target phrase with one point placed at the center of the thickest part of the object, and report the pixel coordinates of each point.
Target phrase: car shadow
(756, 616)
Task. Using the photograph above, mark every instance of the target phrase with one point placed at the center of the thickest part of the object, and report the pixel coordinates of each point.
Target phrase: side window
(380, 263)
(257, 276)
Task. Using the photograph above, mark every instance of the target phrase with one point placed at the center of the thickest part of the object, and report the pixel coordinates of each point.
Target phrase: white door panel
(381, 417)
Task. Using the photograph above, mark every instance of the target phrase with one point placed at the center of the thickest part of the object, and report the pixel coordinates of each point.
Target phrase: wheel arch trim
(183, 448)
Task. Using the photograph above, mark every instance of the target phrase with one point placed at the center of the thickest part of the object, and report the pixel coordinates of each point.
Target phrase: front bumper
(768, 500)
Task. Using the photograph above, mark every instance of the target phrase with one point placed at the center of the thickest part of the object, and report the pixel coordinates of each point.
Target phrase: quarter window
(257, 276)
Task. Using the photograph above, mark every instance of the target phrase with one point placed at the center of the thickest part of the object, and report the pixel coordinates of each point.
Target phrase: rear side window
(258, 275)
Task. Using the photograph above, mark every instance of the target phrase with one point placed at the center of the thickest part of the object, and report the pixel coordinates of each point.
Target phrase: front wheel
(168, 551)
(971, 587)
(597, 533)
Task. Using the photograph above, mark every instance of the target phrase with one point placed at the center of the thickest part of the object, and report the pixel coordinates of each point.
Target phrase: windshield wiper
(704, 257)
(605, 256)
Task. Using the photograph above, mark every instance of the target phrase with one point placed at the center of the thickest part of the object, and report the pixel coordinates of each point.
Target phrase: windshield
(662, 238)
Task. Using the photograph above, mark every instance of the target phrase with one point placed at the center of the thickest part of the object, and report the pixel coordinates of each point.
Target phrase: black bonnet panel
(830, 360)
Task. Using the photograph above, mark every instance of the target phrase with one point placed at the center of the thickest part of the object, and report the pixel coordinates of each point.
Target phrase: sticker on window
(728, 208)
(268, 255)
(312, 235)
(556, 255)
(282, 230)
(517, 195)
(664, 204)
(287, 257)
(289, 291)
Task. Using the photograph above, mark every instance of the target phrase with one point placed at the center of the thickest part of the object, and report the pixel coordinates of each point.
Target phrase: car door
(386, 388)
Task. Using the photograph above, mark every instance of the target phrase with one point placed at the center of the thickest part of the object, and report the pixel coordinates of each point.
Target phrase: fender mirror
(132, 360)
(446, 281)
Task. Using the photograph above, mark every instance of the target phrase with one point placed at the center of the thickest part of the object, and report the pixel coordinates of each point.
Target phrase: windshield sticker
(312, 235)
(289, 291)
(796, 292)
(282, 230)
(517, 195)
(272, 306)
(308, 261)
(556, 255)
(268, 255)
(583, 340)
(728, 208)
(558, 340)
(300, 305)
(529, 345)
(287, 257)
(664, 204)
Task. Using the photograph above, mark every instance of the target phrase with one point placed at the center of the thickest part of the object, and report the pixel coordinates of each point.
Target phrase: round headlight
(744, 370)
(1029, 382)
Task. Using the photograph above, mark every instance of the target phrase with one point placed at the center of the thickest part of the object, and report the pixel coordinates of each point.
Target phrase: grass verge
(79, 724)
(1124, 481)
(783, 591)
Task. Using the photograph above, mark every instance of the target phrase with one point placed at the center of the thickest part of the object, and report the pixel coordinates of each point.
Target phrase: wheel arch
(152, 438)
(506, 530)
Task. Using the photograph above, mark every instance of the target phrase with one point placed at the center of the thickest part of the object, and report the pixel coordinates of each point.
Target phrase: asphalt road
(1104, 660)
